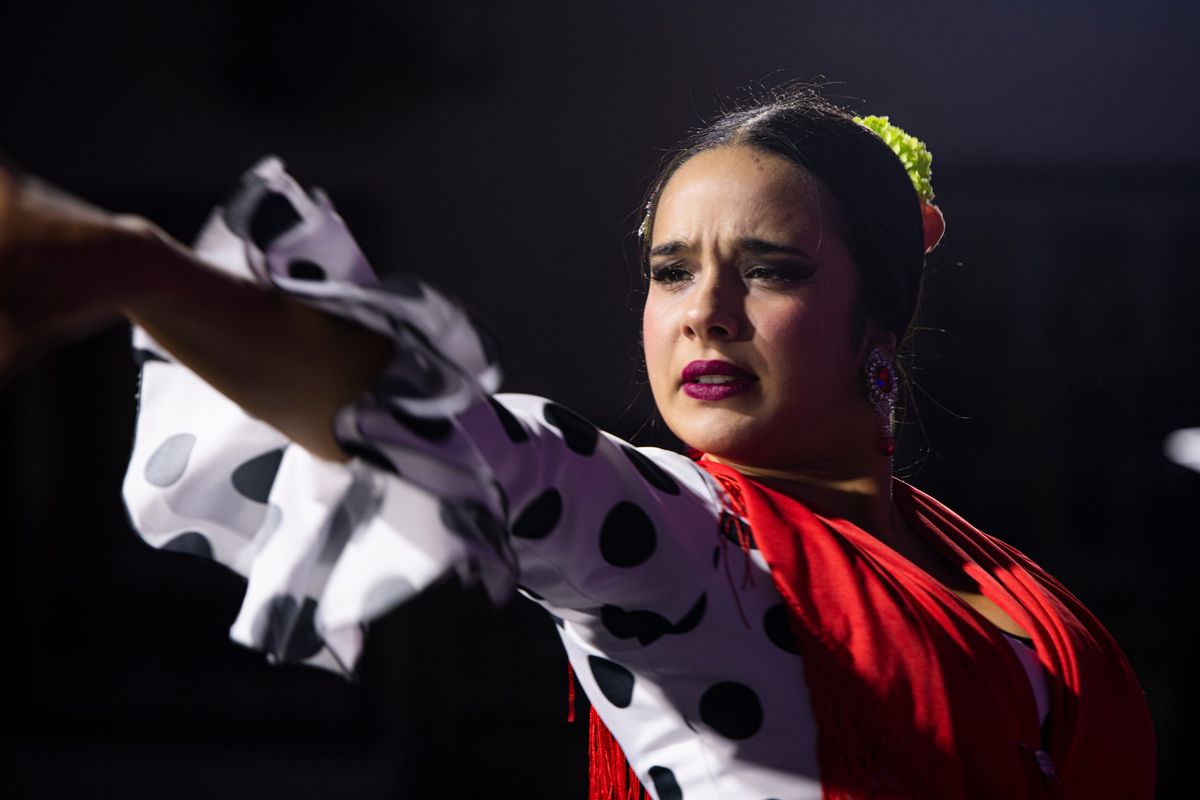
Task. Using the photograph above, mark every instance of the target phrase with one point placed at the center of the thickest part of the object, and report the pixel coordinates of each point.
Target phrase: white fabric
(687, 666)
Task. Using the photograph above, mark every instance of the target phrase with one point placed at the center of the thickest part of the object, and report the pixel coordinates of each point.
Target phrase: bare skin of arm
(67, 268)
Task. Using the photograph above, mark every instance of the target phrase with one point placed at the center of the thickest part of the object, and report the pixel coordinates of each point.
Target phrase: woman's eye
(774, 275)
(670, 273)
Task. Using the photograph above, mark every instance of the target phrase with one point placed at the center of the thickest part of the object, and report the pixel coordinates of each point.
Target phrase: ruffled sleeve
(446, 476)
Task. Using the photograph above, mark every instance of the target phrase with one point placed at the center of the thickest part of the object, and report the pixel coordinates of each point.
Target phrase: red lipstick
(726, 380)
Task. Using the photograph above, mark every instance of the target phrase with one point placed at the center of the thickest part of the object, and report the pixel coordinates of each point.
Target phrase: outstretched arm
(448, 476)
(67, 268)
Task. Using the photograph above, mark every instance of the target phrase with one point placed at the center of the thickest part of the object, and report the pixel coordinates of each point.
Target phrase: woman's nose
(711, 314)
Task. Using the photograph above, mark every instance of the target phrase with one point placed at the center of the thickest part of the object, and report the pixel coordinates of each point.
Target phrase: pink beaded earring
(881, 389)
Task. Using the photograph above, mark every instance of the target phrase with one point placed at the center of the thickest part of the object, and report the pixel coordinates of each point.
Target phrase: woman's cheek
(652, 349)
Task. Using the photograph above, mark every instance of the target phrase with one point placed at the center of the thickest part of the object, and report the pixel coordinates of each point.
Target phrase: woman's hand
(61, 265)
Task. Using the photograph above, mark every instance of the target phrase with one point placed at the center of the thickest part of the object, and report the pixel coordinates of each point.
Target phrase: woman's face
(747, 326)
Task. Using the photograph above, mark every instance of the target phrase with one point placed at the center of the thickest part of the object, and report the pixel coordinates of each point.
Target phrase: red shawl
(915, 694)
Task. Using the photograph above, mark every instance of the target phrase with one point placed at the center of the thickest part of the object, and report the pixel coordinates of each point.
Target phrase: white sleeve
(447, 477)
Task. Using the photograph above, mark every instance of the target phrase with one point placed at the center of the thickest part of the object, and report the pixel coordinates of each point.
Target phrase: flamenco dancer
(773, 616)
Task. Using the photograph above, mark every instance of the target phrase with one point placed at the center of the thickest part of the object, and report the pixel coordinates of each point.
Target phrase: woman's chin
(733, 448)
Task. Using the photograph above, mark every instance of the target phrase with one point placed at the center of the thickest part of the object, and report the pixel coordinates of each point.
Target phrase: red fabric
(609, 775)
(915, 694)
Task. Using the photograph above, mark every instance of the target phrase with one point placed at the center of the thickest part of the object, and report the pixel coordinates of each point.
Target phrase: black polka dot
(431, 429)
(286, 629)
(272, 217)
(168, 462)
(254, 478)
(512, 426)
(779, 628)
(732, 710)
(304, 270)
(729, 528)
(579, 435)
(616, 621)
(665, 785)
(655, 475)
(539, 517)
(647, 626)
(192, 543)
(692, 618)
(627, 537)
(141, 356)
(405, 286)
(370, 455)
(615, 682)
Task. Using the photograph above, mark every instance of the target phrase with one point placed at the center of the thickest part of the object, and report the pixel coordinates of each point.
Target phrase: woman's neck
(861, 494)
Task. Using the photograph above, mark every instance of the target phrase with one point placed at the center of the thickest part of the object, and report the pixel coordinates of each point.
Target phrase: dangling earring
(881, 389)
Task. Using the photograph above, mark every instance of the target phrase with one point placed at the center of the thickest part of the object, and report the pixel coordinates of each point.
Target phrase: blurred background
(501, 150)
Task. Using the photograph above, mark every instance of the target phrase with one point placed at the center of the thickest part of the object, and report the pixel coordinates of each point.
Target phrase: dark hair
(877, 205)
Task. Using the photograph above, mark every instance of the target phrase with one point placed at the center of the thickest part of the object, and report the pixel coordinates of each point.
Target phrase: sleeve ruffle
(325, 547)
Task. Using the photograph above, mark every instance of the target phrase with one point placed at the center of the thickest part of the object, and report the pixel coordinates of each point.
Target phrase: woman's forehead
(739, 191)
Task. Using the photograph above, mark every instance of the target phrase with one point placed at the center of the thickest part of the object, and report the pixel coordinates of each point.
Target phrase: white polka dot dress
(677, 635)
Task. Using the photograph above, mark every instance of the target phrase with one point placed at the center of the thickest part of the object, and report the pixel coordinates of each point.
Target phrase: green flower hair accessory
(913, 153)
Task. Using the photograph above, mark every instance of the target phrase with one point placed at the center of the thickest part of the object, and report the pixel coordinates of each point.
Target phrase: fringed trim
(610, 777)
(570, 693)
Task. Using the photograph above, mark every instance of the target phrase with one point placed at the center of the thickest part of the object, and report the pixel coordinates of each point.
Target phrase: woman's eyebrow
(757, 246)
(669, 248)
(762, 247)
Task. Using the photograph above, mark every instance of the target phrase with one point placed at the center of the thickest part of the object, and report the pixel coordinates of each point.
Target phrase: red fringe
(570, 693)
(609, 775)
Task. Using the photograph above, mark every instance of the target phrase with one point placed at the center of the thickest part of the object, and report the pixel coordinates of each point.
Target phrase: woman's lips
(715, 380)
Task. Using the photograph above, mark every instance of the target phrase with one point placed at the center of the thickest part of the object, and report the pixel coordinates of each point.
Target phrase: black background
(501, 150)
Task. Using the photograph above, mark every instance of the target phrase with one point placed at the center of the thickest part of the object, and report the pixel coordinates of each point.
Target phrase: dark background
(501, 150)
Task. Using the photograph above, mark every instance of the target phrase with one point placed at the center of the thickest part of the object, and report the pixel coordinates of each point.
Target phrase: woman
(778, 617)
